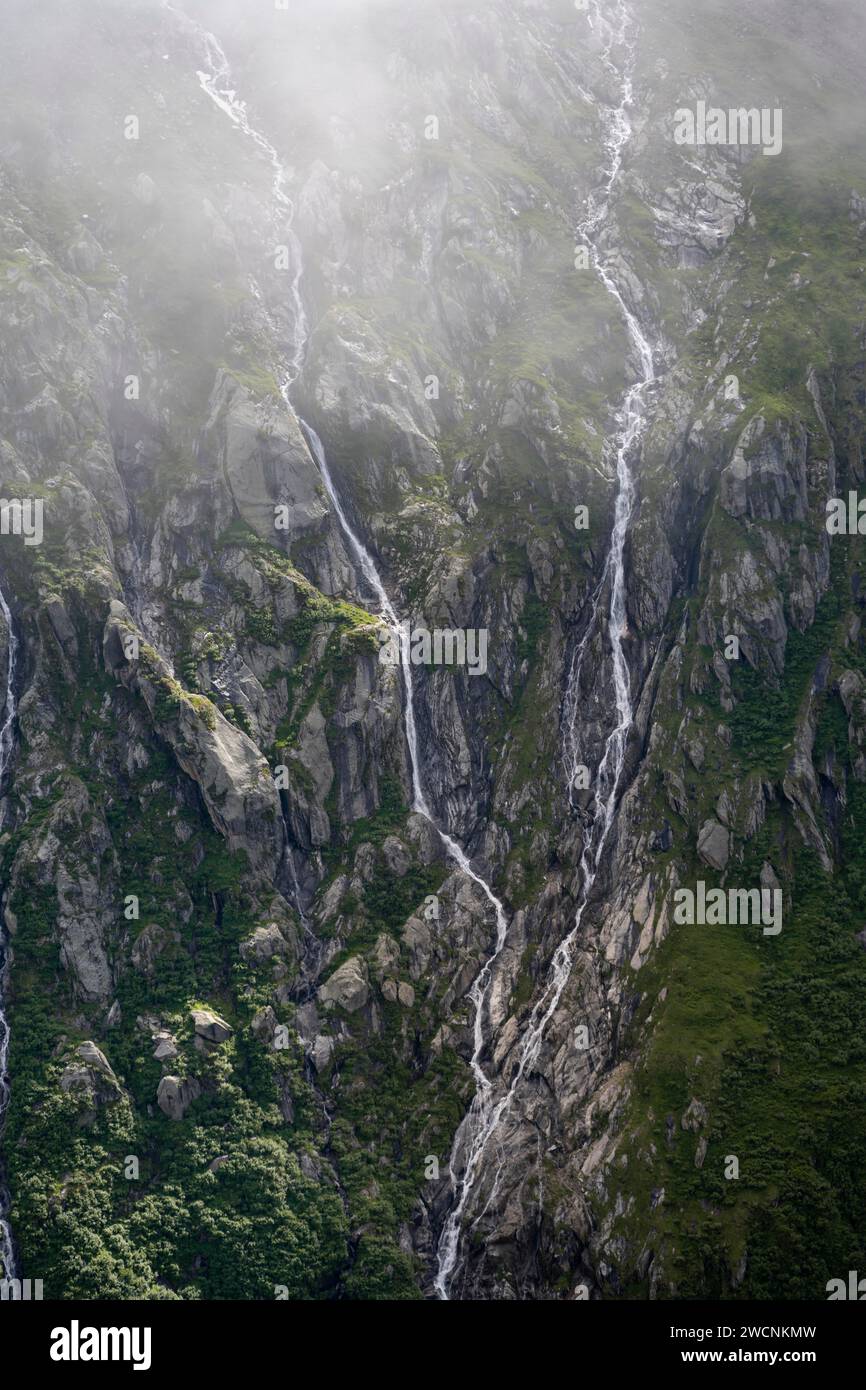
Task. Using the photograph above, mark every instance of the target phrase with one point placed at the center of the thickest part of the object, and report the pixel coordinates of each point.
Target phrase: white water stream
(618, 40)
(488, 1108)
(216, 81)
(7, 744)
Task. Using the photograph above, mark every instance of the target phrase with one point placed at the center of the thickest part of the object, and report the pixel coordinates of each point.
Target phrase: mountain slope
(240, 992)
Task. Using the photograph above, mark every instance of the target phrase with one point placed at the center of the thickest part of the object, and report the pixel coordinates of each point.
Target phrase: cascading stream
(7, 744)
(630, 420)
(216, 83)
(487, 1109)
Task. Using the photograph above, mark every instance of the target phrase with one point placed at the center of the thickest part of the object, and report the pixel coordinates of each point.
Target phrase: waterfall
(488, 1108)
(7, 743)
(216, 83)
(400, 631)
(630, 424)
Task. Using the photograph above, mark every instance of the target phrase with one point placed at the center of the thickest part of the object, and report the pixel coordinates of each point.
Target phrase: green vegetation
(178, 1229)
(764, 718)
(767, 1033)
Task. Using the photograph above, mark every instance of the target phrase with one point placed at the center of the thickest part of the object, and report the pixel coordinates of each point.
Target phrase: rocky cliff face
(244, 1033)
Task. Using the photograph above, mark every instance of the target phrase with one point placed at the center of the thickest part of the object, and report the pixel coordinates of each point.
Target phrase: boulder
(210, 1026)
(349, 986)
(93, 1075)
(166, 1046)
(322, 1051)
(396, 992)
(386, 953)
(174, 1096)
(714, 844)
(264, 944)
(396, 856)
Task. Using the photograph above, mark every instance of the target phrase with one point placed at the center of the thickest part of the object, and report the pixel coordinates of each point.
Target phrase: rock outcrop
(211, 812)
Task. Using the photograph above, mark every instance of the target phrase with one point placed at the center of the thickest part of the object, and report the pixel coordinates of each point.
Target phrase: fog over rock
(340, 342)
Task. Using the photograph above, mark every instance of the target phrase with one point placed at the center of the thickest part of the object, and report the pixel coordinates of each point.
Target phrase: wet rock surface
(216, 872)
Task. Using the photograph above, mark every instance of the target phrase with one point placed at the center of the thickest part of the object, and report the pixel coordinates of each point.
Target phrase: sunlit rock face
(330, 324)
